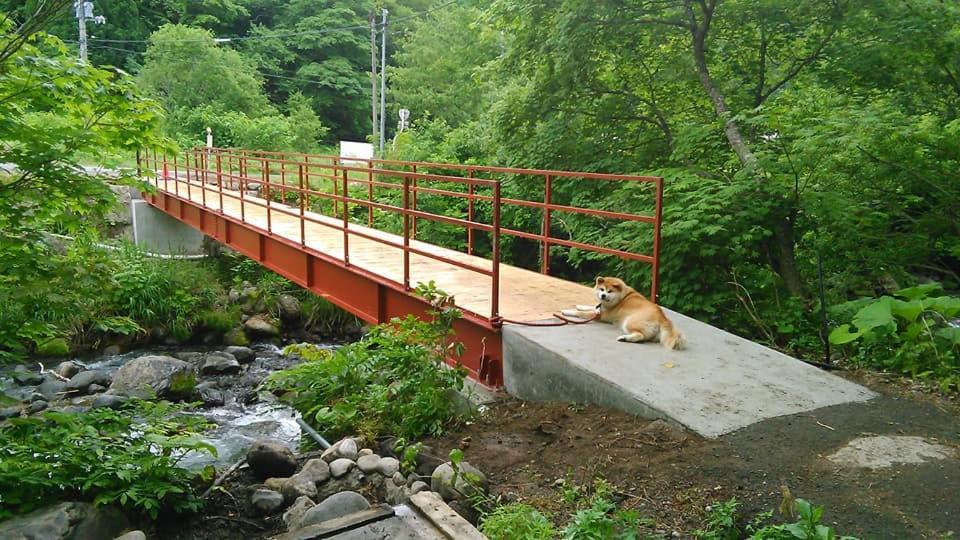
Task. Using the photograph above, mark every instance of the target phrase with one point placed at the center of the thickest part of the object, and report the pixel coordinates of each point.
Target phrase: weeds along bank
(73, 298)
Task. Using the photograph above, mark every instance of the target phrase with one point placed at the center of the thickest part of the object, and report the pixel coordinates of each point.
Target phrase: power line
(352, 28)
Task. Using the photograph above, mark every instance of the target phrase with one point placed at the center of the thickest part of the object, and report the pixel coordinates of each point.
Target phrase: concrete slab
(718, 384)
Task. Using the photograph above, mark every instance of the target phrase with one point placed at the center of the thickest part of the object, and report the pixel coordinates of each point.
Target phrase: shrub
(910, 332)
(602, 521)
(516, 521)
(393, 381)
(128, 456)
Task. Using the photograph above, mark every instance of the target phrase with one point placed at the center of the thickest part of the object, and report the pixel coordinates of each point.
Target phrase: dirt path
(671, 475)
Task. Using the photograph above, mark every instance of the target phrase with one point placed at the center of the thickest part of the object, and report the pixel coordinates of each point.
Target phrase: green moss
(220, 320)
(307, 351)
(182, 384)
(236, 336)
(53, 347)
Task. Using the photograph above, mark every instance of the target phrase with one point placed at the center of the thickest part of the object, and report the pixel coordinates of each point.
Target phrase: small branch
(54, 373)
(223, 477)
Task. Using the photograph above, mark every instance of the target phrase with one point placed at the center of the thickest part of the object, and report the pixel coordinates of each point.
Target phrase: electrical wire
(285, 35)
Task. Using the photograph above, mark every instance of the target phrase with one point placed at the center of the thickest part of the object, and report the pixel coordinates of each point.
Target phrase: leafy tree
(307, 129)
(184, 69)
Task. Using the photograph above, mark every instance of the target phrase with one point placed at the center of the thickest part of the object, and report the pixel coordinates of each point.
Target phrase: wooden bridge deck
(524, 295)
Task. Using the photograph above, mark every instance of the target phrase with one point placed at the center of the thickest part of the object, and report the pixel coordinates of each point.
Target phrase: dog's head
(610, 290)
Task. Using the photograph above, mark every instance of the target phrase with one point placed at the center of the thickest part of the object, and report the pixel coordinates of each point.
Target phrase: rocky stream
(272, 491)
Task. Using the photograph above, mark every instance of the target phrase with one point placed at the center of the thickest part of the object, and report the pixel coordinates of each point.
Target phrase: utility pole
(84, 11)
(383, 80)
(82, 27)
(373, 75)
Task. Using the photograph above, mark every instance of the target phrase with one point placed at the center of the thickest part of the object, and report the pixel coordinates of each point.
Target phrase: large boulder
(82, 381)
(25, 377)
(160, 376)
(260, 326)
(271, 458)
(66, 521)
(266, 501)
(219, 363)
(52, 388)
(295, 513)
(56, 347)
(337, 505)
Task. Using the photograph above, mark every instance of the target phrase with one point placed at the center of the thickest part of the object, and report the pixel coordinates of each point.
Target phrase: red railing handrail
(337, 170)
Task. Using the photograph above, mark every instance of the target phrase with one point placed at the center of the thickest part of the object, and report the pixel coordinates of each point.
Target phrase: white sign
(359, 150)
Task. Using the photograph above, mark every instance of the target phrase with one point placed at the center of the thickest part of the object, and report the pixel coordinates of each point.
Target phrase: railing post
(655, 267)
(196, 178)
(470, 211)
(166, 184)
(219, 173)
(346, 220)
(265, 171)
(176, 183)
(336, 174)
(219, 186)
(242, 184)
(413, 228)
(495, 294)
(547, 198)
(370, 193)
(406, 233)
(303, 208)
(176, 176)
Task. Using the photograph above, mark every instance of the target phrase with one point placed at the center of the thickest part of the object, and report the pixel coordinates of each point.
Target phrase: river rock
(24, 377)
(289, 307)
(110, 401)
(266, 501)
(51, 388)
(66, 521)
(442, 481)
(294, 515)
(242, 354)
(195, 358)
(388, 466)
(132, 535)
(10, 412)
(364, 452)
(81, 381)
(334, 506)
(209, 395)
(340, 467)
(344, 448)
(418, 486)
(160, 376)
(219, 363)
(368, 463)
(96, 389)
(111, 350)
(36, 407)
(260, 326)
(271, 458)
(235, 337)
(399, 479)
(67, 369)
(37, 396)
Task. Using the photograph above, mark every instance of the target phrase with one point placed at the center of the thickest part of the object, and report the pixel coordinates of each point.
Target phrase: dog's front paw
(623, 338)
(583, 307)
(570, 313)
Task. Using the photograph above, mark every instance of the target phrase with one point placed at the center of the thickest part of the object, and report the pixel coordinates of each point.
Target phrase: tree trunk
(783, 235)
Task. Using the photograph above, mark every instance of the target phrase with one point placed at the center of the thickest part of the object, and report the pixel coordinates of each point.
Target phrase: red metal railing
(303, 182)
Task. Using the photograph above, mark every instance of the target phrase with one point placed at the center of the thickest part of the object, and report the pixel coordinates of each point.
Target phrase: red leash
(563, 321)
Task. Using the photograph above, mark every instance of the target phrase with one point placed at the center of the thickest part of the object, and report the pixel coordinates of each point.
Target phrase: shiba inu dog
(640, 319)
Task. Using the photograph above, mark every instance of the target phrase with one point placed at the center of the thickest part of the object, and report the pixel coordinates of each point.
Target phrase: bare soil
(533, 452)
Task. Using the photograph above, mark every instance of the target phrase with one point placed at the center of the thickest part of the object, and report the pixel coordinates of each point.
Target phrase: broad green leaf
(842, 334)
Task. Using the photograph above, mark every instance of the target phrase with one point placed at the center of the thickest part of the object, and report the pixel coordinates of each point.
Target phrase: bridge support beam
(370, 297)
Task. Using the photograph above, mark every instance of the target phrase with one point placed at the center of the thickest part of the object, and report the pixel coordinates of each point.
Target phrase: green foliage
(308, 131)
(721, 522)
(129, 457)
(910, 332)
(53, 347)
(392, 381)
(807, 526)
(602, 520)
(517, 521)
(307, 351)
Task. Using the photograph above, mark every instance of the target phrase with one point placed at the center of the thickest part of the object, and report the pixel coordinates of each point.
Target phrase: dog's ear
(600, 280)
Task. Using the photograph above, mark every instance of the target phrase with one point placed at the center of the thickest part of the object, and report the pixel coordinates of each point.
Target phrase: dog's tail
(670, 337)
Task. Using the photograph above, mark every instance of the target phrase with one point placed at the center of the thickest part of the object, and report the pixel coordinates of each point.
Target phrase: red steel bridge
(355, 231)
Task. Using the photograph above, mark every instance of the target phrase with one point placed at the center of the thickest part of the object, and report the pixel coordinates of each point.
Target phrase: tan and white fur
(640, 319)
